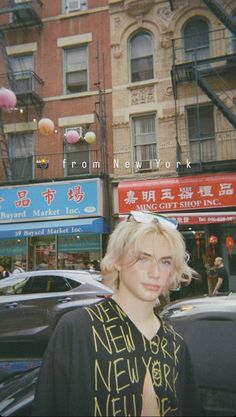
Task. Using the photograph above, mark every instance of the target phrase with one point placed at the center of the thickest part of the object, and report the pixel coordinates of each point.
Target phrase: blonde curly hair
(130, 235)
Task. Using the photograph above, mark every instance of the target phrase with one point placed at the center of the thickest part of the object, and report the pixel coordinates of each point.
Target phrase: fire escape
(17, 17)
(214, 74)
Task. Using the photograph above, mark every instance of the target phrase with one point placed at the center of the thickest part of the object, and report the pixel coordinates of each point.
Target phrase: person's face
(145, 275)
(217, 262)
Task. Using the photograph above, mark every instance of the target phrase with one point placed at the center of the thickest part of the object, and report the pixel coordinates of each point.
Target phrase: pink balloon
(72, 136)
(7, 98)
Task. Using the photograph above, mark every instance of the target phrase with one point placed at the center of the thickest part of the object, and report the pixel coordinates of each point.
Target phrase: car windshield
(11, 286)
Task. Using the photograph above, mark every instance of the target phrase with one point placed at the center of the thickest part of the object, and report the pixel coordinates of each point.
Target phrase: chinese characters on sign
(178, 194)
(50, 201)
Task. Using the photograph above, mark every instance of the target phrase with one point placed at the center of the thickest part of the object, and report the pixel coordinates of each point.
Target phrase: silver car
(31, 303)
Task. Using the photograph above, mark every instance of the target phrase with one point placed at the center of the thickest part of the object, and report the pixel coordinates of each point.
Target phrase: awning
(56, 227)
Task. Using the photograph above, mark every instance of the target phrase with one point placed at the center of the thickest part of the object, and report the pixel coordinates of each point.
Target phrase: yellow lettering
(166, 374)
(92, 313)
(154, 346)
(164, 343)
(176, 349)
(122, 315)
(97, 410)
(96, 337)
(98, 372)
(133, 372)
(118, 374)
(146, 364)
(128, 338)
(114, 338)
(114, 411)
(165, 406)
(157, 374)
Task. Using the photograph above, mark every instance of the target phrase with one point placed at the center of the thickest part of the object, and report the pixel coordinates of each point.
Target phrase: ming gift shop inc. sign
(178, 194)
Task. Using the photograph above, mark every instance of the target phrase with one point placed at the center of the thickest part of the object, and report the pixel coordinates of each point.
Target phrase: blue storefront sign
(50, 201)
(57, 227)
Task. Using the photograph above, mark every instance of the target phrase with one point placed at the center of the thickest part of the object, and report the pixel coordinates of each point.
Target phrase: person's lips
(152, 287)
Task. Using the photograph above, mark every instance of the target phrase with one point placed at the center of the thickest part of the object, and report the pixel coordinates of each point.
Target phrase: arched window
(141, 57)
(196, 39)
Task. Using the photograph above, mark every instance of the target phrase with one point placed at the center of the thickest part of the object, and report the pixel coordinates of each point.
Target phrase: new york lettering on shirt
(124, 358)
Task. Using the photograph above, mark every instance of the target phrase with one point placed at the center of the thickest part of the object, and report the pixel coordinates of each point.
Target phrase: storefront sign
(82, 243)
(60, 227)
(178, 194)
(55, 200)
(205, 218)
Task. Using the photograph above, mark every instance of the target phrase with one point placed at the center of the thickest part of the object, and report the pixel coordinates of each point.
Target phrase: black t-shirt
(222, 273)
(96, 362)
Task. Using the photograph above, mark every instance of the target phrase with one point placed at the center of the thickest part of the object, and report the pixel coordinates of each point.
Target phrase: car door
(38, 308)
(30, 314)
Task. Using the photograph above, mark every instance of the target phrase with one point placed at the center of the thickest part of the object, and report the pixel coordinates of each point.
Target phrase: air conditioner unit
(73, 5)
(79, 129)
(21, 1)
(145, 165)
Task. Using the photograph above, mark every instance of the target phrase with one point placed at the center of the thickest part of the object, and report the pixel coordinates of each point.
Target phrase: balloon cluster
(72, 137)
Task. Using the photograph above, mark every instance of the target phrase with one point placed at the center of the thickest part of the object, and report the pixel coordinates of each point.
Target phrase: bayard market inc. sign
(50, 201)
(170, 195)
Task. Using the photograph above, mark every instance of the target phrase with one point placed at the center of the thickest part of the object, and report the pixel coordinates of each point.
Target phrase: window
(141, 57)
(144, 141)
(76, 157)
(22, 66)
(76, 69)
(196, 39)
(21, 155)
(201, 133)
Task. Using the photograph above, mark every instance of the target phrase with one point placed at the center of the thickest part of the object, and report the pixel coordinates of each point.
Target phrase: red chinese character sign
(178, 194)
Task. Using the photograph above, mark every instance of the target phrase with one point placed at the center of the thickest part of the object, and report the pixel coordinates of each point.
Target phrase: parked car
(17, 393)
(208, 324)
(31, 303)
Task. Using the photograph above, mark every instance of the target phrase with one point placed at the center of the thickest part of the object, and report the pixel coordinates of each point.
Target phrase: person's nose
(154, 270)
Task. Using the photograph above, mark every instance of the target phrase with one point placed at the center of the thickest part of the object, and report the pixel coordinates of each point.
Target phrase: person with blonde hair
(118, 358)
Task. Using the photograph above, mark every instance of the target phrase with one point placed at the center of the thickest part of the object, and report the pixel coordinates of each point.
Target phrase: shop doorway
(42, 253)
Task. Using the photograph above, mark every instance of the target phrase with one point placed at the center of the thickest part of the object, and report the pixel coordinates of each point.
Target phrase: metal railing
(27, 86)
(21, 13)
(45, 166)
(220, 147)
(221, 43)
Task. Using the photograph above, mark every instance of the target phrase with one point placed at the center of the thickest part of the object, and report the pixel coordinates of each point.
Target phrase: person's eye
(167, 262)
(143, 258)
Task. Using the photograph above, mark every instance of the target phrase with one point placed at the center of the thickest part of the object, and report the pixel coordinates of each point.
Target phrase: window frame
(65, 72)
(152, 144)
(200, 142)
(81, 142)
(205, 50)
(31, 137)
(131, 38)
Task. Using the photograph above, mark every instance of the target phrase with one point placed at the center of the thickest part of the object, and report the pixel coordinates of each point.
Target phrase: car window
(57, 284)
(12, 286)
(45, 284)
(73, 283)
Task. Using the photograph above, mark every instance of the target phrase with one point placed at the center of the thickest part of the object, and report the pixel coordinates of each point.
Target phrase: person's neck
(140, 312)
